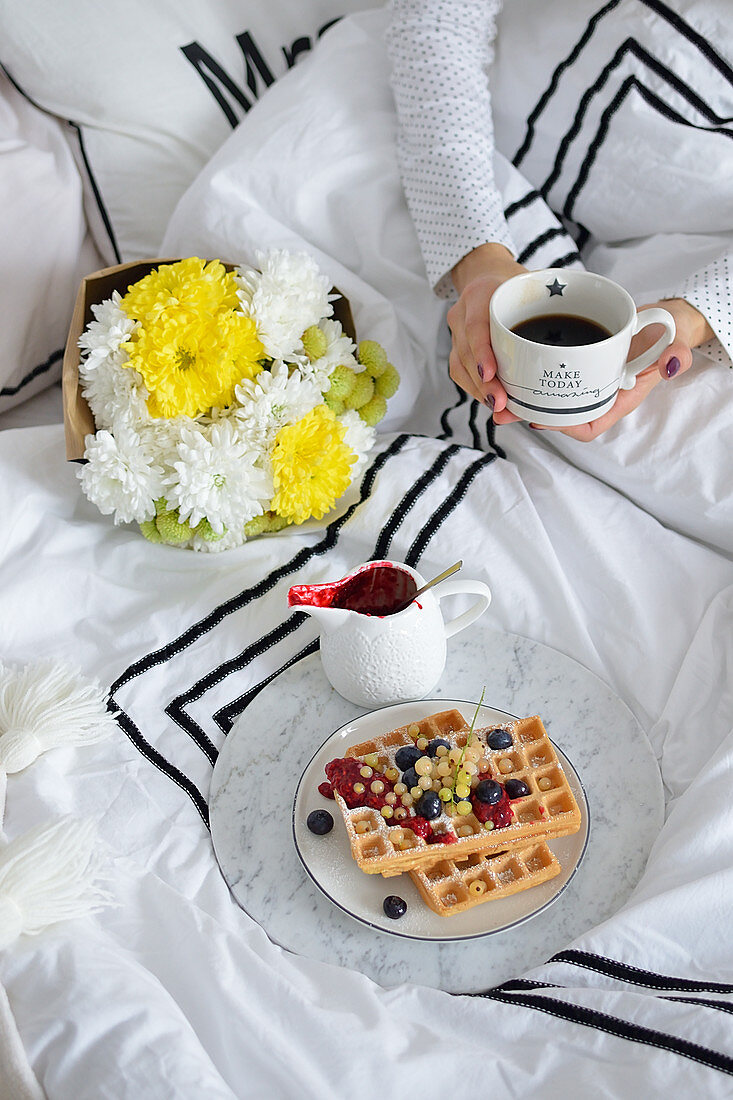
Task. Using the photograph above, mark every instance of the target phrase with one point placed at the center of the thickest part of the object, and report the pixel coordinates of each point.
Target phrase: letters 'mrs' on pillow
(150, 90)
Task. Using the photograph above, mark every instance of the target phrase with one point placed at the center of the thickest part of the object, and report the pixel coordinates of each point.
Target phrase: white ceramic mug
(559, 386)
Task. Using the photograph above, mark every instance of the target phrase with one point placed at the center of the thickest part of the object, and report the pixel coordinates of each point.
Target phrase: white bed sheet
(174, 991)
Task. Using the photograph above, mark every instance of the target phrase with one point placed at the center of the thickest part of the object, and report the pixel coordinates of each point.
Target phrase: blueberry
(516, 788)
(433, 745)
(319, 822)
(394, 906)
(406, 756)
(429, 805)
(499, 739)
(410, 778)
(489, 791)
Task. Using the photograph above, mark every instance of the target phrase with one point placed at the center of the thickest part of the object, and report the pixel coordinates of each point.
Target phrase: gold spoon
(440, 577)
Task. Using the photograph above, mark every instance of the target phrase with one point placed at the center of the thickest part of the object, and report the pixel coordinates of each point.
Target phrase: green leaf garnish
(459, 765)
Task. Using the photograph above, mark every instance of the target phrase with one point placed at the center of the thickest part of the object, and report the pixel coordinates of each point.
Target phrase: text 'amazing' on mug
(558, 384)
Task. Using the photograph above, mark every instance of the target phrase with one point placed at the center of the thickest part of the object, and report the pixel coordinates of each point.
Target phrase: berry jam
(420, 826)
(380, 589)
(441, 838)
(501, 813)
(343, 773)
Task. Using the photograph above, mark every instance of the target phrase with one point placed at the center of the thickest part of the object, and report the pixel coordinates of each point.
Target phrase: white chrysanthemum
(359, 437)
(103, 336)
(116, 394)
(272, 400)
(215, 477)
(284, 298)
(121, 476)
(163, 436)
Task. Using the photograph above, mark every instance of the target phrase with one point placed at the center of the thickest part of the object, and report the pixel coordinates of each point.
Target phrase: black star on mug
(556, 288)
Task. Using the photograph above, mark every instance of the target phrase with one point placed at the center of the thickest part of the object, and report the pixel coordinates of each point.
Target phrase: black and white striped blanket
(176, 991)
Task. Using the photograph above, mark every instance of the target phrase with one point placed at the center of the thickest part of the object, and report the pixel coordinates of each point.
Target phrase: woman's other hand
(472, 363)
(692, 330)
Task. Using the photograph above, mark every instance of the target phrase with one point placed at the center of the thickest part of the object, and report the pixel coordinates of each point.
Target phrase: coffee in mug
(561, 338)
(561, 331)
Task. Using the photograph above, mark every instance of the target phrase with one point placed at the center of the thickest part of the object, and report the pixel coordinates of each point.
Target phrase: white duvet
(619, 555)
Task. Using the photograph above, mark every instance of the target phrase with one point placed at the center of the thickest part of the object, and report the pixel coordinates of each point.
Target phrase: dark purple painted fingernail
(480, 370)
(672, 367)
(489, 402)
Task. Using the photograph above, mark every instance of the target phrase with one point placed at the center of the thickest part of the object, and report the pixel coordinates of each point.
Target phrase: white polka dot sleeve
(440, 51)
(711, 292)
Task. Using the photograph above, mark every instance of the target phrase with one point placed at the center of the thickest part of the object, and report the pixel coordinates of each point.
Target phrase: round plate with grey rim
(329, 863)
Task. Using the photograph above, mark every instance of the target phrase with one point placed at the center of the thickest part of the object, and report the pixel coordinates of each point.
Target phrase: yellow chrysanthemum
(193, 345)
(188, 286)
(311, 466)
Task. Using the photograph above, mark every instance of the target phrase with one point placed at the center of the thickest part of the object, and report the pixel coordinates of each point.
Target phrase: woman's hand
(692, 330)
(472, 363)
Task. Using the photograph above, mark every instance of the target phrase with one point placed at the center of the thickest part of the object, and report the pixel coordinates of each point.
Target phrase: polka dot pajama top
(440, 52)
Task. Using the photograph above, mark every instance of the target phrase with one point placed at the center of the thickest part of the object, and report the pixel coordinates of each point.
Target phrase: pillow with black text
(150, 91)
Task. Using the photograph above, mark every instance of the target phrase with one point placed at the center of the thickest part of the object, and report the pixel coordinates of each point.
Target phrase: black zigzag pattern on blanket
(547, 95)
(128, 727)
(225, 716)
(560, 257)
(680, 990)
(634, 975)
(42, 368)
(167, 652)
(474, 427)
(426, 532)
(461, 399)
(160, 656)
(678, 24)
(518, 985)
(614, 1025)
(629, 48)
(631, 83)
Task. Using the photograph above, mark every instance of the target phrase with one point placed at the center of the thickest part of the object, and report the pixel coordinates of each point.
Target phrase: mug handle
(455, 588)
(646, 317)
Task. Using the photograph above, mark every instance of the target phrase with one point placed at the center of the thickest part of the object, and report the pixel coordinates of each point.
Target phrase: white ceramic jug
(373, 659)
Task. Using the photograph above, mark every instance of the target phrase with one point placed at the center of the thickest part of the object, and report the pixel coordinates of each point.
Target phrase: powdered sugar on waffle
(549, 810)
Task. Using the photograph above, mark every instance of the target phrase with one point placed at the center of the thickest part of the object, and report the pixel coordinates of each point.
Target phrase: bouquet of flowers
(227, 402)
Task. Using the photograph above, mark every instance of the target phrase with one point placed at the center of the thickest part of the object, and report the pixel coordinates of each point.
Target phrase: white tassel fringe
(47, 875)
(45, 706)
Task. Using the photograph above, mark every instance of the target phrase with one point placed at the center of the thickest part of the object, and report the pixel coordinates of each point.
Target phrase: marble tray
(264, 756)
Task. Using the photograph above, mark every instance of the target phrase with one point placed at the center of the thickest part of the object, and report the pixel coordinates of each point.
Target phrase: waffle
(381, 847)
(449, 887)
